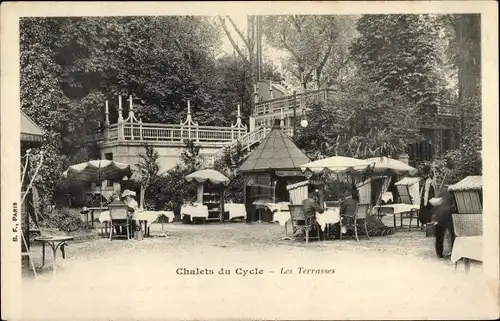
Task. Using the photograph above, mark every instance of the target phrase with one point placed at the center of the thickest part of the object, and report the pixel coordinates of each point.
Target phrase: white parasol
(210, 175)
(389, 165)
(337, 165)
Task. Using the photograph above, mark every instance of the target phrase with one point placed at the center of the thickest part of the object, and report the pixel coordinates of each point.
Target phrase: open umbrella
(385, 165)
(98, 171)
(337, 165)
(210, 175)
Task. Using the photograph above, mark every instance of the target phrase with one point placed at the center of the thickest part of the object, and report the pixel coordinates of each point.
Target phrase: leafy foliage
(400, 53)
(227, 164)
(312, 42)
(361, 120)
(71, 65)
(65, 219)
(190, 156)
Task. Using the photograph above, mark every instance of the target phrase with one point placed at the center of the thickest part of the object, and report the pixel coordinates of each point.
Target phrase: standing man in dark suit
(443, 221)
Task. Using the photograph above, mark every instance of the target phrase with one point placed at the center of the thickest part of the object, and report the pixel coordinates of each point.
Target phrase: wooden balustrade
(160, 132)
(285, 104)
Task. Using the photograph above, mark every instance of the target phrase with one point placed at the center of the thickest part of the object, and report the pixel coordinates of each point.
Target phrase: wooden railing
(246, 141)
(287, 103)
(170, 133)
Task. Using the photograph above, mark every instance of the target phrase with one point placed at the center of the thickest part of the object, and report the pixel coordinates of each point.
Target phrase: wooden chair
(406, 198)
(359, 216)
(300, 221)
(119, 217)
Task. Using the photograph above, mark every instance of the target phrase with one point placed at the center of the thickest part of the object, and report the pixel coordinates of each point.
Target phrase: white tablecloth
(395, 208)
(470, 247)
(235, 210)
(149, 216)
(196, 210)
(278, 207)
(281, 217)
(330, 216)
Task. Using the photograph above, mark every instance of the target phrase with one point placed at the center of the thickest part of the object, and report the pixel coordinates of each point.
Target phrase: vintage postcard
(249, 160)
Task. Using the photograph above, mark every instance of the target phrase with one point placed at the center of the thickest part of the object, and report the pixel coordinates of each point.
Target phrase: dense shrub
(65, 219)
(169, 191)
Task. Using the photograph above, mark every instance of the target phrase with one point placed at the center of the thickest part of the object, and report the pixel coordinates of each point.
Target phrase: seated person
(311, 206)
(348, 208)
(131, 203)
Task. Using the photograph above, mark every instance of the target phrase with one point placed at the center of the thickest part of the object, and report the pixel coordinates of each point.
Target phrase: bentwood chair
(119, 217)
(354, 220)
(300, 222)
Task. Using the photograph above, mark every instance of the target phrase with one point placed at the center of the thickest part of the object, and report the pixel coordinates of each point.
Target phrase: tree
(148, 167)
(227, 164)
(248, 54)
(70, 66)
(190, 156)
(361, 120)
(312, 42)
(400, 52)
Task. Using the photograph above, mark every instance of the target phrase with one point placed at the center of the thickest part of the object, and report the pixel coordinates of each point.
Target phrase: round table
(54, 242)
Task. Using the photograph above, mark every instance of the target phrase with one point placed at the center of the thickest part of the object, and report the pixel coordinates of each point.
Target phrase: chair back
(468, 201)
(404, 194)
(118, 213)
(468, 224)
(330, 204)
(362, 211)
(297, 212)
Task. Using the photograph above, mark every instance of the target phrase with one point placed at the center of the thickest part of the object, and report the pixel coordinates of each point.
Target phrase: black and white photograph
(250, 160)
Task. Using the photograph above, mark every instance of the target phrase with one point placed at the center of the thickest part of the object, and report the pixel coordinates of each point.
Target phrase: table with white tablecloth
(330, 216)
(235, 210)
(147, 216)
(278, 207)
(195, 211)
(395, 209)
(281, 217)
(467, 248)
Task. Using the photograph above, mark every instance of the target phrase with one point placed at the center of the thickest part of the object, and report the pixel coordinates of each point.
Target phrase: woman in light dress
(132, 205)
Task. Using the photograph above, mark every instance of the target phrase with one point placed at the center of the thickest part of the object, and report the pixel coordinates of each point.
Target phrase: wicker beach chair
(468, 195)
(300, 222)
(467, 224)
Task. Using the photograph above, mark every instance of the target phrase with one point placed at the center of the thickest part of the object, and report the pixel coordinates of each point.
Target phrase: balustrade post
(121, 131)
(182, 132)
(232, 133)
(131, 131)
(197, 133)
(140, 129)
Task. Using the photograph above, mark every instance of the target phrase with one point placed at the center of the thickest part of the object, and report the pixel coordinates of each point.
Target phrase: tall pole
(259, 47)
(294, 111)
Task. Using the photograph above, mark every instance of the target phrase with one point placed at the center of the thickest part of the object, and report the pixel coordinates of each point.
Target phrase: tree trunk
(468, 37)
(468, 33)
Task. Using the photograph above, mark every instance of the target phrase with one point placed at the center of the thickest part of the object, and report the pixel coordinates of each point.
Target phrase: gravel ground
(391, 277)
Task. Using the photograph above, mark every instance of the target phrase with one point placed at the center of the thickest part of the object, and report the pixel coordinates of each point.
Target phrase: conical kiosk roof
(275, 152)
